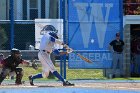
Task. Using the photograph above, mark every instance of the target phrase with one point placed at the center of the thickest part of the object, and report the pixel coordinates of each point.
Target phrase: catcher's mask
(48, 28)
(15, 51)
(53, 35)
(1, 54)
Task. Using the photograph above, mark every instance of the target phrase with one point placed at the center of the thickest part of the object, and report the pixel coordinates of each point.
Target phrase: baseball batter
(46, 48)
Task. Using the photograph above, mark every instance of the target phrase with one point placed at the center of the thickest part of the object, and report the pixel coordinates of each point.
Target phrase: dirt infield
(96, 85)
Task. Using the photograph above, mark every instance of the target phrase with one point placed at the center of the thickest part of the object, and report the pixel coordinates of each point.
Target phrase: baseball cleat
(31, 80)
(66, 83)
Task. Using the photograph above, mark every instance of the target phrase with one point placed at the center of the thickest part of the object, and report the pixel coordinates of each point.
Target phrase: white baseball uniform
(46, 47)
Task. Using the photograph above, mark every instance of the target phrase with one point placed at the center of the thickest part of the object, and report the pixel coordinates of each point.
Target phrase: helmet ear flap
(53, 35)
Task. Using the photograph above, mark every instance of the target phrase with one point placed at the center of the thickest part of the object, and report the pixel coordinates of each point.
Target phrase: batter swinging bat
(82, 57)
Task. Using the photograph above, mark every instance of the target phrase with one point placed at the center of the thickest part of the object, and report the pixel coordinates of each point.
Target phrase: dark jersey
(11, 62)
(117, 45)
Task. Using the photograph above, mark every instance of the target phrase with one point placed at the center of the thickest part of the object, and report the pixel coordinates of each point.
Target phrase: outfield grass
(71, 73)
(74, 74)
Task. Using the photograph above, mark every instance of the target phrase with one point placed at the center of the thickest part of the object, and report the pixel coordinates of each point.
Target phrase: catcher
(10, 64)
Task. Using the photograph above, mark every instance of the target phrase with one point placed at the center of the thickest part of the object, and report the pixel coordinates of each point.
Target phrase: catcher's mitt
(34, 65)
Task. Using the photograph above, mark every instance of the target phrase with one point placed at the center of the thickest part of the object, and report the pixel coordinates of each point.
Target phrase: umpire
(10, 64)
(116, 47)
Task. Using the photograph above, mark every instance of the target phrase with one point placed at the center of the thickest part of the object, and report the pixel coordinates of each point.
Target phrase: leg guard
(19, 75)
(1, 78)
(3, 74)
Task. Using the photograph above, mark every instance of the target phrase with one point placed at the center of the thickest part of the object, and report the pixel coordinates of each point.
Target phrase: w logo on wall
(92, 25)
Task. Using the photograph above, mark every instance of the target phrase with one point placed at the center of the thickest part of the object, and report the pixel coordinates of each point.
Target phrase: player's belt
(45, 51)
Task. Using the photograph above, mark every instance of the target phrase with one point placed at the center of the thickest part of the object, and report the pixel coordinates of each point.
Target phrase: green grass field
(71, 73)
(74, 74)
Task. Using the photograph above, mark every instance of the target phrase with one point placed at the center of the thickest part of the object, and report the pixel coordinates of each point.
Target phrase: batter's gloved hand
(69, 50)
(34, 65)
(65, 46)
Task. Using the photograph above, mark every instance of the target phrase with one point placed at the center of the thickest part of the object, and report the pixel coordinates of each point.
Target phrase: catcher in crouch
(48, 40)
(10, 64)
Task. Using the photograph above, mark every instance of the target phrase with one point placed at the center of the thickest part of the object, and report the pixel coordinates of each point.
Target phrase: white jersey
(46, 43)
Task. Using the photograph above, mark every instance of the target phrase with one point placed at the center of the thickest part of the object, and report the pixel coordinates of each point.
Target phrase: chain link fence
(24, 35)
(24, 12)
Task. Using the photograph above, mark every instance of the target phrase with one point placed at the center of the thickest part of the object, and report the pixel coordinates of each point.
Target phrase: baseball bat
(83, 58)
(79, 55)
(69, 50)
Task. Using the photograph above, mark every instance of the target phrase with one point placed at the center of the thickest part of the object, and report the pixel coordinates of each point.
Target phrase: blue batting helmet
(48, 28)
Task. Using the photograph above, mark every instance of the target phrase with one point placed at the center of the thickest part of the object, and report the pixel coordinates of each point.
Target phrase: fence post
(12, 22)
(63, 16)
(63, 65)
